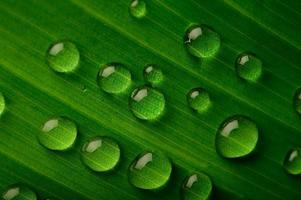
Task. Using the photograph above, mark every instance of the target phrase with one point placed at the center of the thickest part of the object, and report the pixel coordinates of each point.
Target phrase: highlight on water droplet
(138, 8)
(151, 170)
(147, 103)
(58, 134)
(197, 186)
(153, 74)
(114, 78)
(101, 154)
(292, 162)
(199, 99)
(248, 67)
(63, 56)
(201, 41)
(2, 103)
(237, 137)
(18, 192)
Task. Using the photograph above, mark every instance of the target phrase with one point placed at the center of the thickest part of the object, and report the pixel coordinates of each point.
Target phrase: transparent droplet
(101, 154)
(2, 103)
(58, 134)
(197, 186)
(199, 99)
(248, 67)
(147, 103)
(153, 74)
(151, 170)
(201, 41)
(138, 8)
(63, 57)
(114, 78)
(297, 101)
(236, 137)
(292, 162)
(18, 192)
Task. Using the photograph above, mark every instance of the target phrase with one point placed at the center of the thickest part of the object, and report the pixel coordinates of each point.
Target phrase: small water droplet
(297, 101)
(101, 154)
(248, 67)
(153, 74)
(63, 57)
(151, 170)
(2, 103)
(199, 99)
(18, 192)
(197, 186)
(292, 162)
(138, 8)
(236, 137)
(201, 41)
(58, 134)
(114, 78)
(147, 103)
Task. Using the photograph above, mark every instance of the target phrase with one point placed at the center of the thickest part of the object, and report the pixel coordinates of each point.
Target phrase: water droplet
(248, 67)
(292, 162)
(58, 134)
(147, 103)
(297, 102)
(101, 154)
(151, 170)
(236, 137)
(63, 57)
(199, 99)
(153, 75)
(2, 103)
(114, 78)
(201, 41)
(197, 186)
(138, 8)
(18, 192)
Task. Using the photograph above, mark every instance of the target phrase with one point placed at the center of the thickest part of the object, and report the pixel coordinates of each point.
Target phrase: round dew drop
(201, 41)
(63, 57)
(138, 8)
(18, 192)
(114, 78)
(2, 103)
(153, 75)
(248, 67)
(147, 103)
(197, 186)
(151, 170)
(292, 162)
(58, 134)
(237, 137)
(101, 154)
(199, 99)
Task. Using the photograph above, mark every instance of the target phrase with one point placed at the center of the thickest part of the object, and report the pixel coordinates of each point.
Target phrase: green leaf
(106, 32)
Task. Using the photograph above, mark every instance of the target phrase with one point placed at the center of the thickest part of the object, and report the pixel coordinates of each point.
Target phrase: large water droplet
(2, 103)
(197, 186)
(147, 103)
(63, 57)
(248, 67)
(201, 41)
(138, 8)
(151, 170)
(58, 134)
(236, 137)
(114, 78)
(18, 192)
(101, 154)
(292, 162)
(153, 74)
(199, 99)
